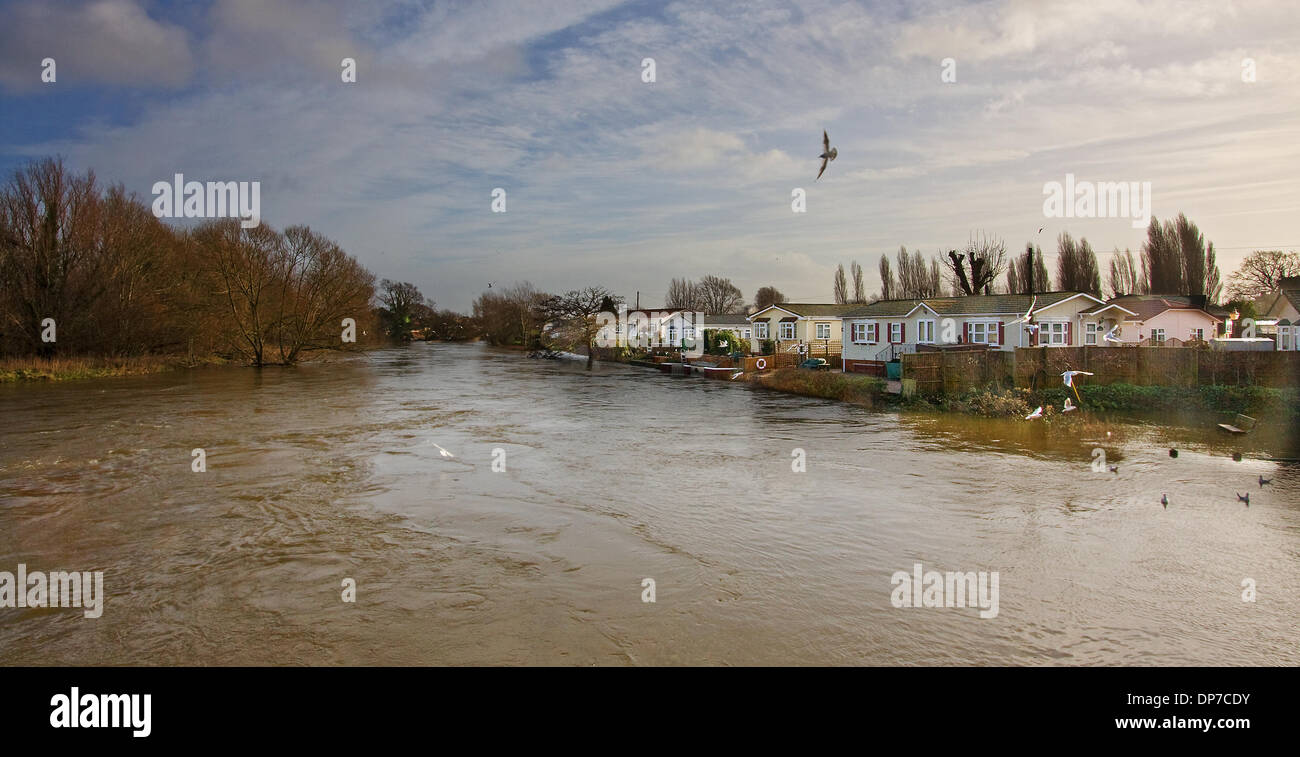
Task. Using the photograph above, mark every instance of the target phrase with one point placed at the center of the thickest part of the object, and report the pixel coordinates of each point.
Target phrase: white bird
(737, 375)
(828, 153)
(1069, 406)
(1069, 376)
(1036, 414)
(444, 452)
(1028, 313)
(1110, 335)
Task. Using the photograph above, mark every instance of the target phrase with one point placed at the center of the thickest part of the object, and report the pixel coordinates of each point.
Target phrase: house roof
(978, 304)
(1144, 307)
(725, 319)
(813, 310)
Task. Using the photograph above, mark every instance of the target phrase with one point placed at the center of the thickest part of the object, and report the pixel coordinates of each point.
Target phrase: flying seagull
(1164, 500)
(1068, 377)
(1110, 335)
(1245, 499)
(828, 153)
(1038, 413)
(1028, 313)
(1263, 481)
(1069, 406)
(737, 375)
(444, 452)
(1114, 469)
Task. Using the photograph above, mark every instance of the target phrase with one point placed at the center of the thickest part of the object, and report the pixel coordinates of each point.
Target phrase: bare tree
(719, 295)
(768, 296)
(1162, 261)
(1261, 272)
(974, 270)
(683, 294)
(1028, 273)
(859, 295)
(573, 315)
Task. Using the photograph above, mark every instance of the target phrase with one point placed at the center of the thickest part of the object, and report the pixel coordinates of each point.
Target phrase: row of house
(868, 336)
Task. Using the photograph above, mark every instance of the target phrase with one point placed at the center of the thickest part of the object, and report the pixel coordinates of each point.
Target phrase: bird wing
(826, 141)
(819, 173)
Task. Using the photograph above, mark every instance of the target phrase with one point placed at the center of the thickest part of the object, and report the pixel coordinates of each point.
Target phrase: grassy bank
(70, 368)
(845, 387)
(1279, 405)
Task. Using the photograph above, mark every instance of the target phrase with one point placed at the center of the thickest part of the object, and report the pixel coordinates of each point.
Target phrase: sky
(614, 181)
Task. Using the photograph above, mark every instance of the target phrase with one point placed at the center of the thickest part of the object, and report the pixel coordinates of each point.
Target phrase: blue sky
(616, 182)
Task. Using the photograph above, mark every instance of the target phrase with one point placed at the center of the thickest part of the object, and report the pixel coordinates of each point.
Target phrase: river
(332, 471)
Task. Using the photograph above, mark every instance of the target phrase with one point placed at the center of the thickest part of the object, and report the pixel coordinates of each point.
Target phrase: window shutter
(1002, 333)
(902, 333)
(966, 335)
(1069, 334)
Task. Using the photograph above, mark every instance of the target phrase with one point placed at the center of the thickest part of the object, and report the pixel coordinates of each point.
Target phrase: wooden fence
(957, 372)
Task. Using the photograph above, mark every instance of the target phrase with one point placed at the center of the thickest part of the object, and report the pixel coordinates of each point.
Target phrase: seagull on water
(1038, 413)
(1114, 469)
(828, 153)
(443, 452)
(1263, 481)
(1164, 500)
(1245, 498)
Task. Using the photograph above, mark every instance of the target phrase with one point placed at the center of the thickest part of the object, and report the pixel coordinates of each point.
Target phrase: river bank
(31, 368)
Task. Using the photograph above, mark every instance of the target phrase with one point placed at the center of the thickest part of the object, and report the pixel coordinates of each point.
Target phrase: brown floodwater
(331, 471)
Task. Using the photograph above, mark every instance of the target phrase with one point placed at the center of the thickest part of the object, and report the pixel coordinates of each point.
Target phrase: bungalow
(791, 325)
(1151, 319)
(1282, 308)
(737, 322)
(884, 330)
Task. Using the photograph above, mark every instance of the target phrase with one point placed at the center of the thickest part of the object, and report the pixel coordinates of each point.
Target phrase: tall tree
(1030, 272)
(1162, 260)
(1124, 276)
(1077, 269)
(888, 286)
(719, 295)
(401, 303)
(841, 286)
(859, 293)
(1262, 272)
(768, 296)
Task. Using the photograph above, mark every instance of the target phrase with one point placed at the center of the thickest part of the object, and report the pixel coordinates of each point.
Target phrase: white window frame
(1198, 334)
(895, 325)
(873, 333)
(787, 326)
(979, 332)
(820, 326)
(925, 331)
(858, 333)
(1157, 340)
(1090, 332)
(1047, 330)
(1284, 335)
(760, 330)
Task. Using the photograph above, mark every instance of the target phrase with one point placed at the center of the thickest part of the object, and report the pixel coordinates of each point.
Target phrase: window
(760, 329)
(1089, 333)
(1198, 334)
(1157, 336)
(1284, 334)
(978, 335)
(858, 333)
(925, 332)
(787, 329)
(823, 331)
(744, 333)
(895, 333)
(1052, 335)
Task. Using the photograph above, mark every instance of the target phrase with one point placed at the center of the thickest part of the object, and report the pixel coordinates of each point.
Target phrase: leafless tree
(1261, 272)
(683, 294)
(573, 315)
(1124, 277)
(974, 270)
(718, 295)
(841, 286)
(888, 286)
(1077, 269)
(859, 293)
